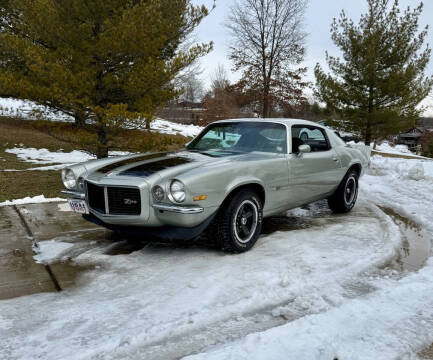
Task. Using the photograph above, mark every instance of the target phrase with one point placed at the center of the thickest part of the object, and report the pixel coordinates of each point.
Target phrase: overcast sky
(318, 19)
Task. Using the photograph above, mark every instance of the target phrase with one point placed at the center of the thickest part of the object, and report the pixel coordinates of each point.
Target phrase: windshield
(241, 137)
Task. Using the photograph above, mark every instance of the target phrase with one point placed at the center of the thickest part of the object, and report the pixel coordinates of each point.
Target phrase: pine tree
(380, 81)
(107, 63)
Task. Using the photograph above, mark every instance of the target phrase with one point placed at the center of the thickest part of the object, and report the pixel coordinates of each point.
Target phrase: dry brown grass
(427, 354)
(58, 136)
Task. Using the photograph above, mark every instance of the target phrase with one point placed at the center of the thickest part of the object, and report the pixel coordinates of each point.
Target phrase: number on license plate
(78, 206)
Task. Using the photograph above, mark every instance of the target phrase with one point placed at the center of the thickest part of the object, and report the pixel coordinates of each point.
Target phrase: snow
(168, 127)
(415, 169)
(169, 292)
(395, 321)
(384, 325)
(44, 156)
(31, 200)
(386, 147)
(29, 111)
(50, 251)
(60, 158)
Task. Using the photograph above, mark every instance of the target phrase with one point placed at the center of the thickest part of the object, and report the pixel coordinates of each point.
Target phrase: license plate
(78, 206)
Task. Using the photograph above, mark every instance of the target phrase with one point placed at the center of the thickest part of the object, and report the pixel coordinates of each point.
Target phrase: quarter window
(309, 135)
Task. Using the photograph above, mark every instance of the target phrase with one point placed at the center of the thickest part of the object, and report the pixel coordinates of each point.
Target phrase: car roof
(284, 121)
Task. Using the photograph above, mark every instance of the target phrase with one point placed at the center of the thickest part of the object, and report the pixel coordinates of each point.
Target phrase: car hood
(164, 164)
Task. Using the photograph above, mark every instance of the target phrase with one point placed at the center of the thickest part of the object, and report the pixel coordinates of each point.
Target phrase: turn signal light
(200, 197)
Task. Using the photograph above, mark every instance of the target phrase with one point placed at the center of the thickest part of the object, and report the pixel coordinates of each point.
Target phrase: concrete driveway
(21, 227)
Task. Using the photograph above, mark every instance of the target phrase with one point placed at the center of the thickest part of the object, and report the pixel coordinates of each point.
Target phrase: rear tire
(344, 198)
(238, 224)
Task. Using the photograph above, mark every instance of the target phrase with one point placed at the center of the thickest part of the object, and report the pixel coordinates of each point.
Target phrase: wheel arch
(357, 167)
(254, 186)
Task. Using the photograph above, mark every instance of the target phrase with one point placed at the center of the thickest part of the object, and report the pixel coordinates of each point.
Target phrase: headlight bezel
(69, 179)
(177, 195)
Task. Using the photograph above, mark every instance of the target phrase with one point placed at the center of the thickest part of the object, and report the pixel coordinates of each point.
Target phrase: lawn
(54, 137)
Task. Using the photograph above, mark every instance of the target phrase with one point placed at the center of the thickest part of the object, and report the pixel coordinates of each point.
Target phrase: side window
(309, 135)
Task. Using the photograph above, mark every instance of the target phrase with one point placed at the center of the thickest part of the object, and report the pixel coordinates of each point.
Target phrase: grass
(54, 137)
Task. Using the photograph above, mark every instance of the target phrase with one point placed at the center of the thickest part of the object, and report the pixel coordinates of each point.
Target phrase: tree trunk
(79, 118)
(148, 121)
(370, 115)
(265, 110)
(102, 147)
(367, 138)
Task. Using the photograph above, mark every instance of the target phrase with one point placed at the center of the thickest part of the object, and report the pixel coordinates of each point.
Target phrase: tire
(344, 198)
(238, 224)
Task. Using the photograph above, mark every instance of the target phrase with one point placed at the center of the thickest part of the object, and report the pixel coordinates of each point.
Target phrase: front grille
(124, 201)
(96, 197)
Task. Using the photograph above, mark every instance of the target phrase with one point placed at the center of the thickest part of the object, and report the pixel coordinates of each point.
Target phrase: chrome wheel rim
(245, 221)
(350, 191)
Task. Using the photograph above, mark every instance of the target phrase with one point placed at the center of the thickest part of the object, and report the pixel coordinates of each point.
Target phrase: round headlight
(158, 193)
(68, 178)
(177, 191)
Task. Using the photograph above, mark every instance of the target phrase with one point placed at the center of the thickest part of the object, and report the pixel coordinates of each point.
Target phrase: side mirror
(304, 148)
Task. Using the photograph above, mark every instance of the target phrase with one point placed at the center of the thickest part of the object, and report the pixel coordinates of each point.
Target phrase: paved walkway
(19, 273)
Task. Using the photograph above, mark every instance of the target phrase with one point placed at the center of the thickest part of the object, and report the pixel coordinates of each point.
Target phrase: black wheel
(344, 198)
(238, 225)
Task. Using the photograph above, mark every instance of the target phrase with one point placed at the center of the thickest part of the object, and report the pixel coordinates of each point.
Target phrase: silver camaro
(226, 180)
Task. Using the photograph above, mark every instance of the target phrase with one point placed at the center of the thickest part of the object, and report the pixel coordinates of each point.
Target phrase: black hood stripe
(148, 169)
(117, 164)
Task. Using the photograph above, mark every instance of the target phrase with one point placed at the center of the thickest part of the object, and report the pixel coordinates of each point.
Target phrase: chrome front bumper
(74, 194)
(179, 209)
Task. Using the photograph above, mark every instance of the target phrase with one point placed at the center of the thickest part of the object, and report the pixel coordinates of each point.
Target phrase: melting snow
(168, 127)
(51, 250)
(44, 156)
(394, 322)
(31, 200)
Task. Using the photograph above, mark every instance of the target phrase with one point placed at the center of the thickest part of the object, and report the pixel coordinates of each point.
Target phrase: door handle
(334, 159)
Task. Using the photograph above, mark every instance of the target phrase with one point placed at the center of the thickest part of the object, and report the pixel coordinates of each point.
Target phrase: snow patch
(50, 251)
(386, 147)
(414, 169)
(44, 156)
(168, 127)
(31, 200)
(28, 110)
(60, 158)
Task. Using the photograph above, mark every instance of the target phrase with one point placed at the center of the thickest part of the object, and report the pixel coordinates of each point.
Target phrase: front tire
(238, 225)
(344, 198)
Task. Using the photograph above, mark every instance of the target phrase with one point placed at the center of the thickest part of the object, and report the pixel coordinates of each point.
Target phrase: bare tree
(219, 79)
(268, 46)
(193, 90)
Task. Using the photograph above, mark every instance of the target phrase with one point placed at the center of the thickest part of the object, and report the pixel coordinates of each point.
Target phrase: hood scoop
(147, 169)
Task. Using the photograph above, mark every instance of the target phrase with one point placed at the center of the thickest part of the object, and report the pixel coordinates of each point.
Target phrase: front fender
(239, 182)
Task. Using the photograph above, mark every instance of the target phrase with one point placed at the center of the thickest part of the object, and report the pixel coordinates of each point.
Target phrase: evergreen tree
(107, 63)
(378, 84)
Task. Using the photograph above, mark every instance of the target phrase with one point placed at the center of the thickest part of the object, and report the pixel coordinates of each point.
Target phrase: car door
(312, 175)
